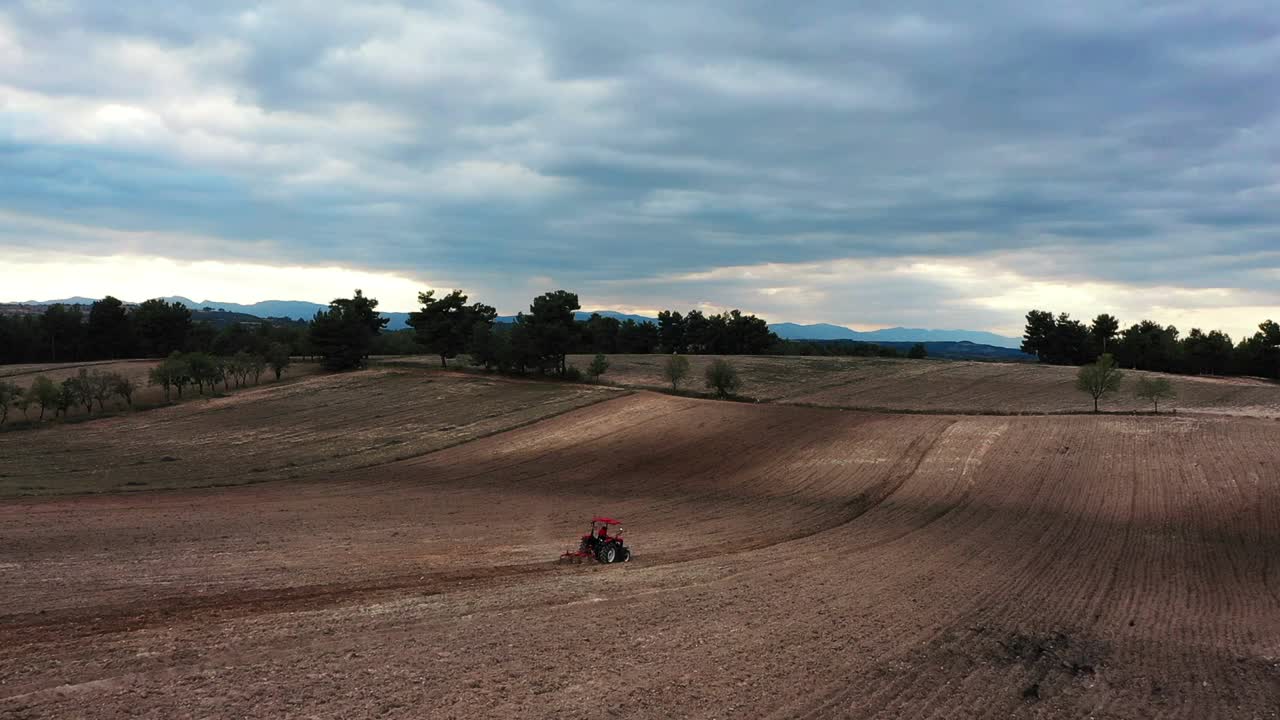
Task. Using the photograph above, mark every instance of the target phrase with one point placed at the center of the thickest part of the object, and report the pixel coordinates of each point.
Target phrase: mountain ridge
(304, 310)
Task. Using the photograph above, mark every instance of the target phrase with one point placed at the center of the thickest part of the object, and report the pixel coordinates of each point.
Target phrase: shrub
(599, 365)
(675, 370)
(722, 378)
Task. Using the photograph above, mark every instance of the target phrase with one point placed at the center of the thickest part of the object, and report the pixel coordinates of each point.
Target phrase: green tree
(918, 352)
(445, 325)
(675, 370)
(1154, 389)
(169, 373)
(722, 378)
(9, 393)
(1100, 378)
(202, 370)
(551, 327)
(257, 366)
(1103, 330)
(110, 332)
(124, 387)
(68, 396)
(161, 327)
(671, 331)
(599, 366)
(82, 388)
(63, 328)
(343, 334)
(1038, 335)
(483, 347)
(278, 358)
(101, 386)
(43, 392)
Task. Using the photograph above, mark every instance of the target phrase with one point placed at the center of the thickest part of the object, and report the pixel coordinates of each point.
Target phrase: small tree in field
(1155, 390)
(102, 386)
(918, 352)
(675, 370)
(722, 378)
(9, 393)
(278, 358)
(68, 394)
(43, 392)
(1100, 378)
(599, 366)
(81, 388)
(125, 388)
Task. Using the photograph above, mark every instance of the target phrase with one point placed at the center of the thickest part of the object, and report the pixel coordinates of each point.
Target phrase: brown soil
(277, 431)
(946, 386)
(790, 562)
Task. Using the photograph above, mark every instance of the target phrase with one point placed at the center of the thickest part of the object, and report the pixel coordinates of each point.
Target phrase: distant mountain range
(301, 310)
(824, 331)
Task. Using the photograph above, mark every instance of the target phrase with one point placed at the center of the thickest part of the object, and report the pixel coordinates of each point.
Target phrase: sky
(873, 164)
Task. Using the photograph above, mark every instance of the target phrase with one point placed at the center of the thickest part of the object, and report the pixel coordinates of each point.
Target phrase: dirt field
(790, 562)
(271, 432)
(945, 386)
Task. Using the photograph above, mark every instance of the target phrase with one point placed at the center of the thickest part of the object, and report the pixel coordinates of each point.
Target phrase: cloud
(1117, 146)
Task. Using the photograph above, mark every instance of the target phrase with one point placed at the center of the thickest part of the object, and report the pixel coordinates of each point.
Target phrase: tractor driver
(604, 533)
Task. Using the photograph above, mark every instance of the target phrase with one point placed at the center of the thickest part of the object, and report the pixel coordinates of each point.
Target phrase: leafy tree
(202, 370)
(551, 327)
(445, 325)
(110, 332)
(1038, 335)
(722, 378)
(101, 387)
(1206, 354)
(918, 352)
(172, 372)
(9, 393)
(1070, 342)
(125, 388)
(1100, 378)
(161, 327)
(257, 366)
(343, 334)
(675, 370)
(599, 366)
(483, 346)
(278, 358)
(671, 332)
(1103, 330)
(82, 387)
(62, 328)
(43, 392)
(1149, 346)
(23, 402)
(1155, 390)
(68, 394)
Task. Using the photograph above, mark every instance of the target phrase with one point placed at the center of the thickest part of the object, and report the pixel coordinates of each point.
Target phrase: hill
(827, 331)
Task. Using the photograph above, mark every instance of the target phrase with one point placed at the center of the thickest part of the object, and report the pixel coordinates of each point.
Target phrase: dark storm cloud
(1125, 142)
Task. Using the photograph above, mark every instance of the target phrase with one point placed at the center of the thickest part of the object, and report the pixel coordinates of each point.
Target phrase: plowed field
(790, 562)
(945, 386)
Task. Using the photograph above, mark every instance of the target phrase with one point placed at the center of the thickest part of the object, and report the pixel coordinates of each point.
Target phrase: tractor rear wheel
(607, 553)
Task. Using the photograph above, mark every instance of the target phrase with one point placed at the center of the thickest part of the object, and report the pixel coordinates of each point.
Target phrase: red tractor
(599, 545)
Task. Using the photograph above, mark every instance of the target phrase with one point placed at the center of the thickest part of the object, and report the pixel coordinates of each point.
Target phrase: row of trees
(82, 390)
(112, 330)
(349, 330)
(202, 370)
(1150, 346)
(1102, 377)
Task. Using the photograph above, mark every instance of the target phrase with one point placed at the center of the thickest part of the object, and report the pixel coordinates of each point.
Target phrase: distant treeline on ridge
(1148, 345)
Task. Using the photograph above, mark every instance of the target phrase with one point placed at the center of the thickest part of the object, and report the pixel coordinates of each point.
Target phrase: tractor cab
(602, 543)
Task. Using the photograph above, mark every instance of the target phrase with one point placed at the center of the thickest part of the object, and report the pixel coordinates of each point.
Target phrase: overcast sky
(929, 164)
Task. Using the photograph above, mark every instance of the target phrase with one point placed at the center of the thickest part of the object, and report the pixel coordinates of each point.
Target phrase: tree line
(346, 333)
(1148, 345)
(112, 330)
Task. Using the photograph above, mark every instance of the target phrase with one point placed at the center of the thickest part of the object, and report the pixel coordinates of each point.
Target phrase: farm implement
(599, 545)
